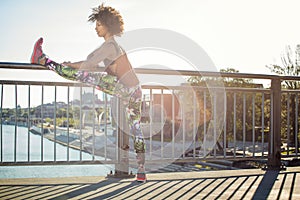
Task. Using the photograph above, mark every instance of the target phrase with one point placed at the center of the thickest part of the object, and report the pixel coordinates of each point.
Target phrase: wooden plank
(222, 184)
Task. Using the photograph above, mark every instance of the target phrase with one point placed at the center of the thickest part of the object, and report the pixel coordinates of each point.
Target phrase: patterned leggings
(131, 98)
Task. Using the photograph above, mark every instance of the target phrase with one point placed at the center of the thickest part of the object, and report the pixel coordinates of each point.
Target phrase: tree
(290, 66)
(290, 61)
(62, 112)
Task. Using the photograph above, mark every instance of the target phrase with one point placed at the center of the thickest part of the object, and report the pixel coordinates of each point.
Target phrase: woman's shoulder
(110, 47)
(114, 46)
(111, 43)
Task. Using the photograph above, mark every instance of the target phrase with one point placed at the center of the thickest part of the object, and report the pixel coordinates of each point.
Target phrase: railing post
(274, 156)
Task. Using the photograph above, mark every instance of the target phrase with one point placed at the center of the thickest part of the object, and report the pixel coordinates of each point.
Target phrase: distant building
(47, 110)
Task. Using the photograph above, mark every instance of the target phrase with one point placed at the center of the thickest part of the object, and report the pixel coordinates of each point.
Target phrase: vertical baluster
(263, 123)
(234, 125)
(225, 124)
(105, 123)
(296, 124)
(42, 125)
(1, 128)
(55, 110)
(162, 123)
(288, 123)
(151, 123)
(68, 124)
(16, 123)
(28, 126)
(194, 123)
(118, 120)
(270, 143)
(215, 122)
(183, 118)
(94, 116)
(81, 125)
(204, 123)
(173, 124)
(244, 125)
(253, 124)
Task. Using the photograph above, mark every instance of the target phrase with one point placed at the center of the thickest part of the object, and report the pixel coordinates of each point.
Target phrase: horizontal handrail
(13, 65)
(78, 84)
(46, 83)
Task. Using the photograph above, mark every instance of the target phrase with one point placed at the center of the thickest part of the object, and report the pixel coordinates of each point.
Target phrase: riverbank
(89, 140)
(41, 149)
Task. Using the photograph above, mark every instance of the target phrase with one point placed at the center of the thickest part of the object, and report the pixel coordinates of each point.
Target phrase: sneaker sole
(141, 177)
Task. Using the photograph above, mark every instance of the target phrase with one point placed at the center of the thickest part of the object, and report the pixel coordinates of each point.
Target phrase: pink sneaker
(37, 53)
(141, 174)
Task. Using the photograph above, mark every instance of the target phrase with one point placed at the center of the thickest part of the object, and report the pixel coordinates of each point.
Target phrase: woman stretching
(118, 79)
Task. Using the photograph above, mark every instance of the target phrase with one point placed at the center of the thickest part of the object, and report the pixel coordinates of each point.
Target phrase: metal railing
(180, 123)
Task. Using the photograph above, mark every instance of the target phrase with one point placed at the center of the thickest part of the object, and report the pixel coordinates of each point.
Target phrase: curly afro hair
(109, 17)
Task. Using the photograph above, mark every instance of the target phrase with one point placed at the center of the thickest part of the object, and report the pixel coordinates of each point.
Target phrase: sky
(243, 34)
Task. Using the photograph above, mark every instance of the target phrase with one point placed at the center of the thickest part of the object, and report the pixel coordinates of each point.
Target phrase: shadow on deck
(226, 184)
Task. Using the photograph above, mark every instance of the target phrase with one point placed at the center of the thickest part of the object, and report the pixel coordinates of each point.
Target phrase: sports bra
(121, 68)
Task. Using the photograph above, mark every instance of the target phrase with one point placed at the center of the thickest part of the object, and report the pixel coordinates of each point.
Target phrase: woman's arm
(97, 56)
(75, 65)
(82, 65)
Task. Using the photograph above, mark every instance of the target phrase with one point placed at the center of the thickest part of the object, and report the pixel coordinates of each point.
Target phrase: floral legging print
(131, 98)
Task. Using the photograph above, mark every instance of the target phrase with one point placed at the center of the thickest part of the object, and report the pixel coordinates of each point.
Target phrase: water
(36, 142)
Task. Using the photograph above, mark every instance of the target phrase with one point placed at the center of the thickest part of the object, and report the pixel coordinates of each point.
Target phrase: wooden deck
(225, 184)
